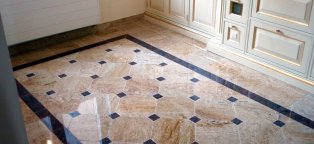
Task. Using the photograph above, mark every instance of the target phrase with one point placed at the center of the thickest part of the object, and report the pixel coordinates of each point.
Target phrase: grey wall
(12, 129)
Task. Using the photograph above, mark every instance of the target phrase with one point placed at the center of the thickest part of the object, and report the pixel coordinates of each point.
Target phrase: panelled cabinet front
(202, 15)
(297, 14)
(205, 15)
(178, 10)
(281, 47)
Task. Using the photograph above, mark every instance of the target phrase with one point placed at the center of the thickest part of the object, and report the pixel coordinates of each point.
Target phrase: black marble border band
(65, 135)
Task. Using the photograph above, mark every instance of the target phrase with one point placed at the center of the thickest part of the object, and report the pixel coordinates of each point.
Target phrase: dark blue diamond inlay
(132, 63)
(161, 79)
(157, 96)
(154, 117)
(72, 61)
(94, 76)
(236, 121)
(105, 141)
(114, 115)
(74, 114)
(195, 119)
(62, 76)
(121, 94)
(137, 50)
(86, 93)
(108, 50)
(149, 142)
(194, 80)
(102, 62)
(194, 97)
(30, 75)
(279, 123)
(50, 92)
(127, 77)
(232, 99)
(163, 64)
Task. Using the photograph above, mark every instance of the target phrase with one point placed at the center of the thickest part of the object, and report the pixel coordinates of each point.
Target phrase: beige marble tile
(175, 105)
(260, 131)
(130, 129)
(150, 71)
(297, 133)
(215, 114)
(108, 85)
(142, 87)
(250, 111)
(137, 105)
(174, 131)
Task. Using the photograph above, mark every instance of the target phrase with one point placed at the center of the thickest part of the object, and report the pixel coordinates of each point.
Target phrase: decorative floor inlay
(124, 90)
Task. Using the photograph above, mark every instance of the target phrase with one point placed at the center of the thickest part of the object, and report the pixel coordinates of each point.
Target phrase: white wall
(26, 20)
(116, 9)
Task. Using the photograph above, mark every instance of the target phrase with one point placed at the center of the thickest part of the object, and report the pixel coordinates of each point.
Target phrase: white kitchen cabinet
(205, 15)
(201, 15)
(279, 46)
(297, 14)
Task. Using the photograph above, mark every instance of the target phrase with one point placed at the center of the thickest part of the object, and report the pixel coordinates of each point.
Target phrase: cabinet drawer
(237, 10)
(281, 47)
(297, 14)
(234, 36)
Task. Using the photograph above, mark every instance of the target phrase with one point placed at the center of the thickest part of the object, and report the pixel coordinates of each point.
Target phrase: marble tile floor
(122, 92)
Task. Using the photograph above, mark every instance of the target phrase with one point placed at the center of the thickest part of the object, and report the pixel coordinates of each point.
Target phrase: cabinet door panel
(281, 47)
(178, 10)
(292, 13)
(205, 15)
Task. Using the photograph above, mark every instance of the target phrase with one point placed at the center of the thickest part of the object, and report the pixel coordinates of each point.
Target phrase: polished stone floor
(122, 92)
